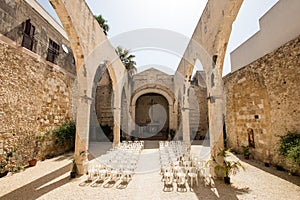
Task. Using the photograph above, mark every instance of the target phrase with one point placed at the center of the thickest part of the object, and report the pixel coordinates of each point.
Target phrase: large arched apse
(152, 117)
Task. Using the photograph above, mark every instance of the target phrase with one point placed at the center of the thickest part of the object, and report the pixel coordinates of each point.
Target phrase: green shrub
(50, 155)
(65, 133)
(246, 150)
(290, 146)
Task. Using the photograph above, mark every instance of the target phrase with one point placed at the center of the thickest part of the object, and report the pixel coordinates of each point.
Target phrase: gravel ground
(50, 180)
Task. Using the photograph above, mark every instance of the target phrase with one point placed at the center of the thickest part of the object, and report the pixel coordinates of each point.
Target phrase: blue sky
(178, 16)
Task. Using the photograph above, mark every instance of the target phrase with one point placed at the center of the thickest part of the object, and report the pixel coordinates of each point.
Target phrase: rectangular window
(28, 35)
(53, 51)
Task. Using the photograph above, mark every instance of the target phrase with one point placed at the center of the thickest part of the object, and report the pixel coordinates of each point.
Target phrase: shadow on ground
(66, 156)
(272, 170)
(219, 190)
(32, 191)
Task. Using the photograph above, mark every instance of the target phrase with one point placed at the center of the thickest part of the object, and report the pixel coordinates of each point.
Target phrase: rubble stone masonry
(35, 96)
(263, 102)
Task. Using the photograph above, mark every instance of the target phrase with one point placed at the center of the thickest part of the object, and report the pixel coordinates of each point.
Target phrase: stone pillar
(171, 117)
(175, 116)
(216, 125)
(82, 133)
(216, 132)
(186, 114)
(131, 119)
(186, 125)
(216, 110)
(116, 129)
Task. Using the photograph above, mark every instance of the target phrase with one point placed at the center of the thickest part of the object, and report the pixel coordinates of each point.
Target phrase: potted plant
(4, 162)
(172, 133)
(3, 170)
(32, 162)
(228, 167)
(74, 170)
(246, 152)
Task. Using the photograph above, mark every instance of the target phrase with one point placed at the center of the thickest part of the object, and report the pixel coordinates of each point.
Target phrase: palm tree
(103, 23)
(126, 58)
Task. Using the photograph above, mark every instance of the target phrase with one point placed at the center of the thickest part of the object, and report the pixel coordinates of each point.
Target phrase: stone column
(175, 116)
(82, 133)
(186, 114)
(216, 110)
(116, 129)
(131, 119)
(186, 125)
(216, 125)
(171, 117)
(216, 131)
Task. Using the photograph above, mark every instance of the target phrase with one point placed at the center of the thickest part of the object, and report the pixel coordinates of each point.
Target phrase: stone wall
(262, 102)
(157, 82)
(198, 112)
(104, 99)
(198, 106)
(152, 76)
(36, 96)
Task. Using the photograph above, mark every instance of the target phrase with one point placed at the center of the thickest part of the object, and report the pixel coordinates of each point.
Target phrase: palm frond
(126, 58)
(103, 23)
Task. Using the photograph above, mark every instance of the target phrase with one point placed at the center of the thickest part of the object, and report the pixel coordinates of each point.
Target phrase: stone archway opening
(152, 117)
(198, 104)
(104, 108)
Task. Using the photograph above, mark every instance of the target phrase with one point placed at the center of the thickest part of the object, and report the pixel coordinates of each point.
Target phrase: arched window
(251, 138)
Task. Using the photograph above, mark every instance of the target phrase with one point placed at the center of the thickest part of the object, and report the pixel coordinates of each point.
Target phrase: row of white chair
(119, 163)
(179, 166)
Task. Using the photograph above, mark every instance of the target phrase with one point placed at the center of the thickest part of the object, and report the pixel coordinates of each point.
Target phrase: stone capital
(86, 99)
